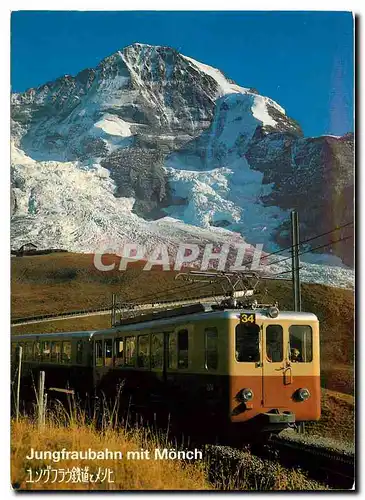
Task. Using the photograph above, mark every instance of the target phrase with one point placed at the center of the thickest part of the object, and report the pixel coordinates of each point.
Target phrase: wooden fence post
(42, 377)
(45, 407)
(20, 355)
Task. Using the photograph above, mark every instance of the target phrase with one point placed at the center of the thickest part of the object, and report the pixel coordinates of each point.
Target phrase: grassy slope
(252, 473)
(56, 283)
(127, 474)
(337, 418)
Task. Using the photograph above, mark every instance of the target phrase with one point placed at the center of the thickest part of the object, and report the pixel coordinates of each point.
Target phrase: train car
(233, 369)
(66, 358)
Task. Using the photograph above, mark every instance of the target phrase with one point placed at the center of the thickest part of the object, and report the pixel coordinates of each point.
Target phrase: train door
(277, 373)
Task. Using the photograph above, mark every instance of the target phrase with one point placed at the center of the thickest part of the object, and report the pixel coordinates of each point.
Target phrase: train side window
(46, 350)
(108, 352)
(37, 351)
(79, 351)
(183, 349)
(66, 352)
(247, 343)
(130, 351)
(143, 351)
(28, 351)
(172, 361)
(274, 343)
(157, 350)
(211, 348)
(118, 352)
(55, 351)
(99, 353)
(301, 350)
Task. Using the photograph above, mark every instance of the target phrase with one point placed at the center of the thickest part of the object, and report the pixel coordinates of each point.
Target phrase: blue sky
(302, 60)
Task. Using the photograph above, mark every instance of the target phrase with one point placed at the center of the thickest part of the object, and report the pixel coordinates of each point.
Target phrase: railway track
(322, 464)
(335, 467)
(321, 468)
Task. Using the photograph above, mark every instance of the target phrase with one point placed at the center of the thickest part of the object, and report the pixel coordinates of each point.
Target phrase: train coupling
(276, 420)
(277, 417)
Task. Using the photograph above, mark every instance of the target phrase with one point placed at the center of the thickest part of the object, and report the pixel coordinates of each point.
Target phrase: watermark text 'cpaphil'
(237, 257)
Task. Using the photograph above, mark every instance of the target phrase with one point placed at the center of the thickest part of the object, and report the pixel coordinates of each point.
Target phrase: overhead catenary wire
(273, 277)
(312, 249)
(289, 248)
(164, 292)
(201, 286)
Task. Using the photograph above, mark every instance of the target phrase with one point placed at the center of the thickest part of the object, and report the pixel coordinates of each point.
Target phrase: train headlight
(246, 395)
(303, 394)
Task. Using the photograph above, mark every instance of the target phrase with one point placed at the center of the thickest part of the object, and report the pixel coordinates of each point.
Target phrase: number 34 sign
(247, 318)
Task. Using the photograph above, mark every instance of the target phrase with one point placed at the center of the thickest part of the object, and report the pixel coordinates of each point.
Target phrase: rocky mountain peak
(159, 135)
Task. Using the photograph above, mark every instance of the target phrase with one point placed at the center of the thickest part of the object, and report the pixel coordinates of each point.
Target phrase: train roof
(168, 317)
(55, 335)
(200, 311)
(132, 324)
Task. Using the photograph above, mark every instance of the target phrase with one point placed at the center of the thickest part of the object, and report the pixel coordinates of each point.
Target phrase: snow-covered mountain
(152, 146)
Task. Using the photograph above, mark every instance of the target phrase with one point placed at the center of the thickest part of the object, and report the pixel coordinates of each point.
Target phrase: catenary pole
(295, 276)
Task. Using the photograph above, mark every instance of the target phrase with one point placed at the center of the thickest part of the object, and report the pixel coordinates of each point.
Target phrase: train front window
(274, 343)
(301, 350)
(247, 343)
